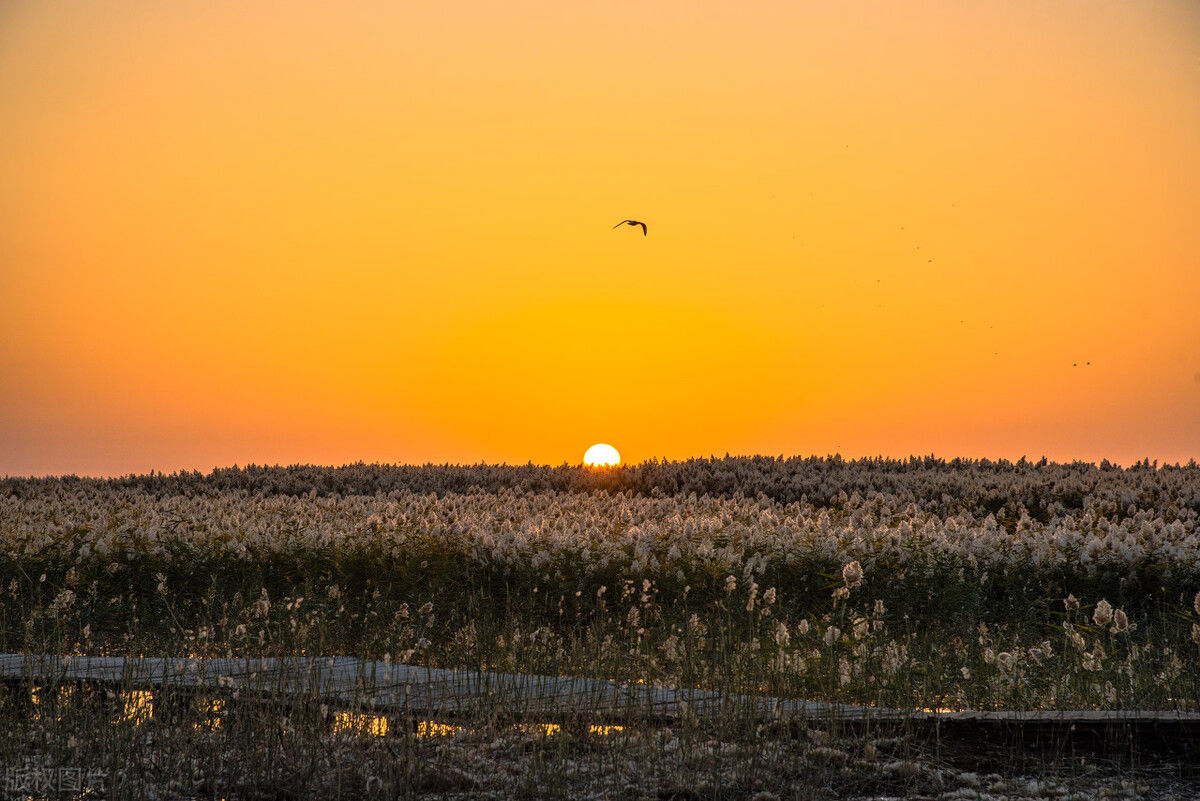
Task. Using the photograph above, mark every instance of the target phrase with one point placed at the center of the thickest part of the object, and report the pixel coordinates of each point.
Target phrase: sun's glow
(601, 455)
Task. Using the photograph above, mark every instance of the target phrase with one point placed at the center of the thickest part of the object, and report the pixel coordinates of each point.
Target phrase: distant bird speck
(632, 222)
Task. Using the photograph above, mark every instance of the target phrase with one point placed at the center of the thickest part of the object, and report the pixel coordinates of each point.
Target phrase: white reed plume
(852, 574)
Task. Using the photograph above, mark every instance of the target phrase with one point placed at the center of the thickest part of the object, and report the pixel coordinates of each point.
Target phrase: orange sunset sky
(240, 232)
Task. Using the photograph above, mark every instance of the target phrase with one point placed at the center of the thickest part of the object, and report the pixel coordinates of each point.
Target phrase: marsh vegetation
(916, 584)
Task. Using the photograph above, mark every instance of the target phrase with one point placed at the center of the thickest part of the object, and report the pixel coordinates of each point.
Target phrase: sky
(290, 232)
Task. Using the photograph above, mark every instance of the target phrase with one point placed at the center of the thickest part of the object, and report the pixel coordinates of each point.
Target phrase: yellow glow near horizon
(601, 455)
(312, 232)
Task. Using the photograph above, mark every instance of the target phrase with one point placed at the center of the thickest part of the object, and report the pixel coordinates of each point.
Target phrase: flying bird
(632, 222)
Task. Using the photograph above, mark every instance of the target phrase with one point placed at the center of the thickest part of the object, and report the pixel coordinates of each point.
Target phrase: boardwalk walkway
(387, 688)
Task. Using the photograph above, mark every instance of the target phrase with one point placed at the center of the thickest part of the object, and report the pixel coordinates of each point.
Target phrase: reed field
(913, 585)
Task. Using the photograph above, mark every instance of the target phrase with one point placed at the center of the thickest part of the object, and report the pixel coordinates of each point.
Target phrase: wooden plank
(440, 692)
(401, 688)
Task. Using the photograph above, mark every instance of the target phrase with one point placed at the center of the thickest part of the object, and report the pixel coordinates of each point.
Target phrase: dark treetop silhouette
(632, 222)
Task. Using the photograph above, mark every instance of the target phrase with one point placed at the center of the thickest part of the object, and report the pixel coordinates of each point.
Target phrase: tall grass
(948, 585)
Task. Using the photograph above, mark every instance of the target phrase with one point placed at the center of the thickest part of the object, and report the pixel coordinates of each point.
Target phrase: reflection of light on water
(374, 725)
(59, 699)
(213, 707)
(431, 728)
(139, 706)
(550, 729)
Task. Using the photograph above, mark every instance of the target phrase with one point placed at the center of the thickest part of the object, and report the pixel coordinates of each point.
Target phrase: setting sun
(601, 455)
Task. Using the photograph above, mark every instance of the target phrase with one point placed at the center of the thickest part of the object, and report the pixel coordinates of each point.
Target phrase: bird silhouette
(632, 222)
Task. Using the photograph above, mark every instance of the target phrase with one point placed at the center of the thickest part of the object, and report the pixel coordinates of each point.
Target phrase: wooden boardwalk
(392, 688)
(385, 688)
